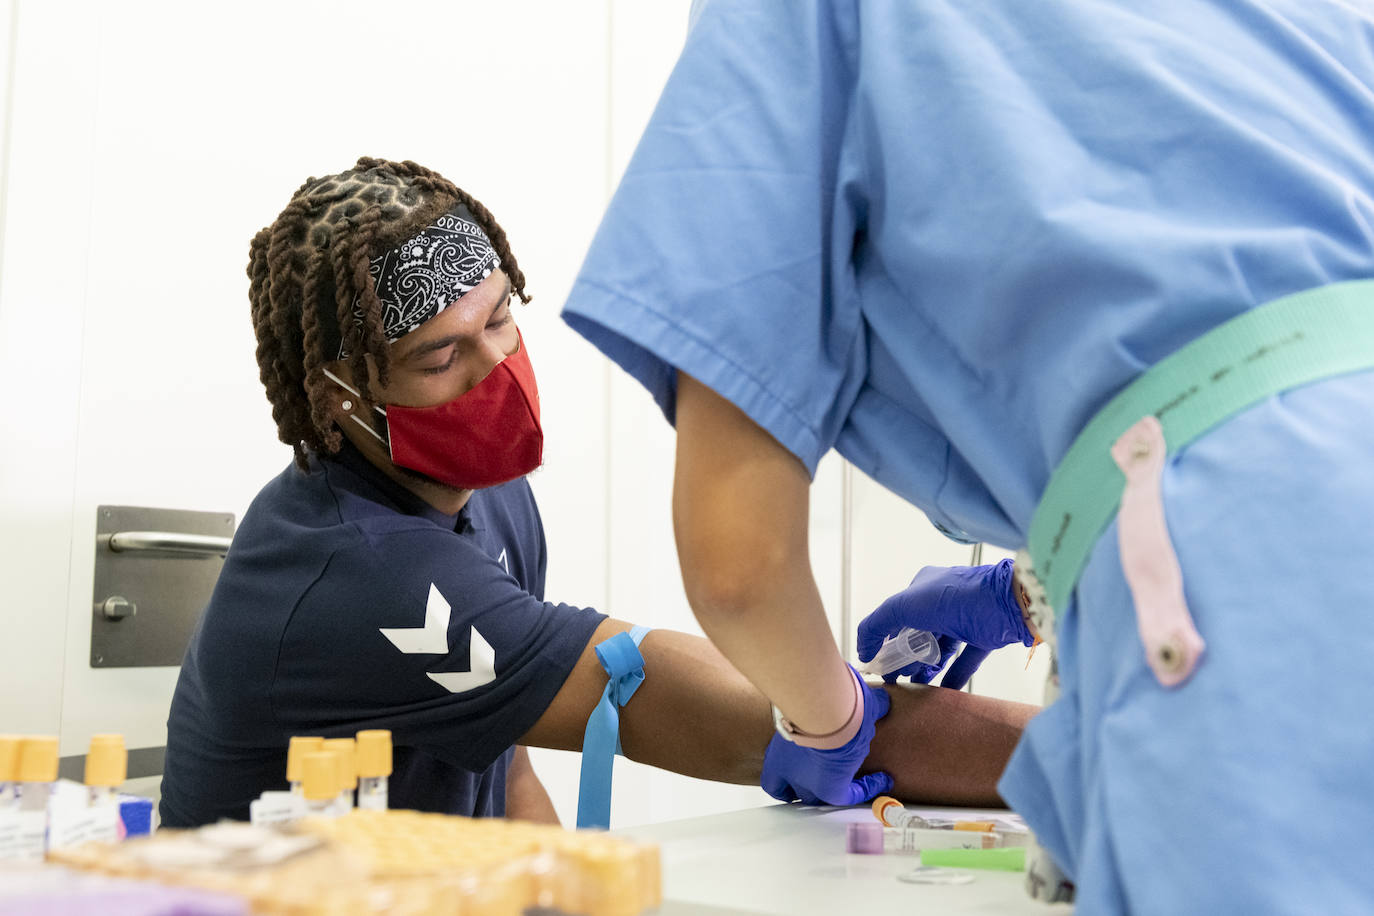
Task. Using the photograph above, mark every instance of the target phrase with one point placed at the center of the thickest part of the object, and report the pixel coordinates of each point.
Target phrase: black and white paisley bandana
(428, 272)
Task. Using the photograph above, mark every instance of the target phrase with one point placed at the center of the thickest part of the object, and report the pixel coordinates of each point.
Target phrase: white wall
(41, 324)
(150, 139)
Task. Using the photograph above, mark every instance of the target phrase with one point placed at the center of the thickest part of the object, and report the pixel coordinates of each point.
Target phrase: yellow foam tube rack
(397, 862)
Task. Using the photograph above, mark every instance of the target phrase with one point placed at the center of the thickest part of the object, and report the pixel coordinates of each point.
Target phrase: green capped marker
(1012, 858)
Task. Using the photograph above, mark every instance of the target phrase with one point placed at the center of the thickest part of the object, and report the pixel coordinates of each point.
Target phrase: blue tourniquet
(624, 666)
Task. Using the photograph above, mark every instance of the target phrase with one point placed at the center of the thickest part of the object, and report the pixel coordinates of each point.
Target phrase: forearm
(782, 640)
(946, 747)
(740, 516)
(696, 714)
(717, 728)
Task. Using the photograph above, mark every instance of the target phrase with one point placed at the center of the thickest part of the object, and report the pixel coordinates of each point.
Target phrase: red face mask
(482, 438)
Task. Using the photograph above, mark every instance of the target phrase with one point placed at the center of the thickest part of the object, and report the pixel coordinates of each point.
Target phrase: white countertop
(788, 860)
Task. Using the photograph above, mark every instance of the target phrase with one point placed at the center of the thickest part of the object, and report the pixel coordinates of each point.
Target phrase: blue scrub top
(292, 642)
(940, 236)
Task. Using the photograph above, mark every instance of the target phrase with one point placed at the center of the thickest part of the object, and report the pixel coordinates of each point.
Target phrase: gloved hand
(826, 777)
(972, 606)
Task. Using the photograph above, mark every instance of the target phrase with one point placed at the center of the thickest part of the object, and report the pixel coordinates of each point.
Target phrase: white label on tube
(73, 826)
(915, 839)
(276, 808)
(372, 794)
(22, 835)
(9, 833)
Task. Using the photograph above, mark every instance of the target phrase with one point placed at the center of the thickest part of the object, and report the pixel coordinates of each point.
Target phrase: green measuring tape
(1292, 341)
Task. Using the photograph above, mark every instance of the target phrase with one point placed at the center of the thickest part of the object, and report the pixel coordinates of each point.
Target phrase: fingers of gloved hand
(883, 622)
(783, 793)
(922, 673)
(949, 648)
(776, 778)
(918, 672)
(861, 789)
(778, 788)
(876, 704)
(866, 788)
(915, 669)
(962, 668)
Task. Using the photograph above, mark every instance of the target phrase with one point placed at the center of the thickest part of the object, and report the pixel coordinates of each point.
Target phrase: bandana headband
(428, 272)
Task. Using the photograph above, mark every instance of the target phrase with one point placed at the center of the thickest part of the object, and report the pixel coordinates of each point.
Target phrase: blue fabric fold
(624, 665)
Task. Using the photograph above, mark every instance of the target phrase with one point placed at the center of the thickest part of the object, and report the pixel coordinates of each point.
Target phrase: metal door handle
(201, 545)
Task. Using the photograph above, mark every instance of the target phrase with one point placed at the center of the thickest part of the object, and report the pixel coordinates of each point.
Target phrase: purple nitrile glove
(972, 606)
(827, 777)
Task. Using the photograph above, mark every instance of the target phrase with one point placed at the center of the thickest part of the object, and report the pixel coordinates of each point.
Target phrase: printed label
(84, 825)
(275, 808)
(22, 835)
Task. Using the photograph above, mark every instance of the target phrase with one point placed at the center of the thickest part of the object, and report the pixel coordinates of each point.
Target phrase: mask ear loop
(357, 394)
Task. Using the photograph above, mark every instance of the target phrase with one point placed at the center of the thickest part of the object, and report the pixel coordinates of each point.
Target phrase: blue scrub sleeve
(726, 250)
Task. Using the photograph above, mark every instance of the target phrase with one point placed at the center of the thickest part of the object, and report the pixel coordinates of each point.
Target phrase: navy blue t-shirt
(347, 603)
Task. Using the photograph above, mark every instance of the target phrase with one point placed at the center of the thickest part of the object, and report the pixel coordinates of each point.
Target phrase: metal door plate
(168, 590)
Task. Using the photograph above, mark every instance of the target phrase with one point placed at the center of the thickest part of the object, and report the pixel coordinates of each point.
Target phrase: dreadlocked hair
(313, 260)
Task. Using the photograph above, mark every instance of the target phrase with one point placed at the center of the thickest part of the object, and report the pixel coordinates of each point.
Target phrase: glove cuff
(839, 737)
(1004, 586)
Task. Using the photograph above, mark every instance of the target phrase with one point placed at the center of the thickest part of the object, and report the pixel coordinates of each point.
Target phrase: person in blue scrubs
(393, 575)
(938, 238)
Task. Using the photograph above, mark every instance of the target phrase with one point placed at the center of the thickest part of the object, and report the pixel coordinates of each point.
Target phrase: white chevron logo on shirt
(432, 639)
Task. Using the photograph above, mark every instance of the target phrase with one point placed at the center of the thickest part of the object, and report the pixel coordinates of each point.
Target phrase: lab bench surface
(789, 860)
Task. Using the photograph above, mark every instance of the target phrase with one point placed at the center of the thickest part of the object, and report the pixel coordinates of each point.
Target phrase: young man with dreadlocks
(393, 576)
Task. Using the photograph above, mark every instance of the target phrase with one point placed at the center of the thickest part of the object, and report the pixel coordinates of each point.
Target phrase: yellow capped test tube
(9, 766)
(373, 757)
(34, 777)
(891, 813)
(345, 748)
(37, 771)
(320, 781)
(300, 746)
(107, 766)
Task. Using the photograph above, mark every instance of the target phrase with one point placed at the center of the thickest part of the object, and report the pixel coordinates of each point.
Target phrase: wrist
(831, 740)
